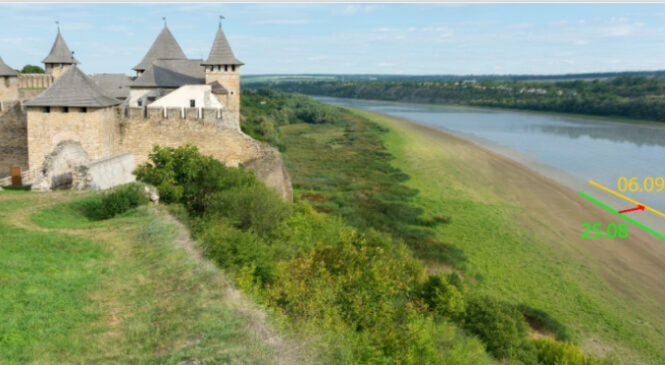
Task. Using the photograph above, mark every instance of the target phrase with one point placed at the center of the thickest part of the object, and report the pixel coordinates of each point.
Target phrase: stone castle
(171, 101)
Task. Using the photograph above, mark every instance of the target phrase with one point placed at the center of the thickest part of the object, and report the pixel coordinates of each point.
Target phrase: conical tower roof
(6, 70)
(60, 53)
(165, 47)
(221, 53)
(73, 89)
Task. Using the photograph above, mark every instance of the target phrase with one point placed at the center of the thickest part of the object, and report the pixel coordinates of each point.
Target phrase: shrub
(551, 352)
(255, 208)
(500, 325)
(236, 249)
(122, 199)
(183, 175)
(443, 298)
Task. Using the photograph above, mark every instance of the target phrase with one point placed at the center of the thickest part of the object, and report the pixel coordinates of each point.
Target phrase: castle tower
(223, 68)
(60, 59)
(165, 47)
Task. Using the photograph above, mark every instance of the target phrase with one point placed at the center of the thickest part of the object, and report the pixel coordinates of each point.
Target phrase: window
(219, 67)
(6, 81)
(233, 68)
(84, 109)
(47, 109)
(212, 68)
(140, 102)
(192, 103)
(66, 109)
(233, 92)
(226, 67)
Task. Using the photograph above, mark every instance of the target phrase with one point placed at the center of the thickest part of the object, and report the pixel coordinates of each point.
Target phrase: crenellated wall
(27, 137)
(34, 81)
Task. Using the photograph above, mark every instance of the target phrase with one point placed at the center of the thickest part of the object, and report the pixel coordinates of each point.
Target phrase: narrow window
(192, 103)
(140, 103)
(212, 68)
(66, 109)
(233, 68)
(219, 67)
(47, 109)
(6, 81)
(84, 109)
(226, 67)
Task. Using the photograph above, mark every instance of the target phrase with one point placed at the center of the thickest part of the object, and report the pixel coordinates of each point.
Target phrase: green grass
(44, 278)
(510, 261)
(114, 291)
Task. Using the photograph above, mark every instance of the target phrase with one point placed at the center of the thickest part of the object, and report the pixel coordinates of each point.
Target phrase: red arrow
(638, 207)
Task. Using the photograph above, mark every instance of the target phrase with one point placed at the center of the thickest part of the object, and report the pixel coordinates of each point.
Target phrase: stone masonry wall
(138, 134)
(13, 138)
(95, 129)
(8, 88)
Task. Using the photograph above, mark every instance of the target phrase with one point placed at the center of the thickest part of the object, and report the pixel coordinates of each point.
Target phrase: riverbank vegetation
(635, 97)
(342, 266)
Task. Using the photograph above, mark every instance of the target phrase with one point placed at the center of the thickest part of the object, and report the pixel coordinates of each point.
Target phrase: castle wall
(203, 127)
(35, 81)
(9, 88)
(13, 138)
(95, 129)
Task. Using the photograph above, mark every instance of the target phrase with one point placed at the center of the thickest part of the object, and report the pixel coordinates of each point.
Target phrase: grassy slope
(114, 291)
(511, 260)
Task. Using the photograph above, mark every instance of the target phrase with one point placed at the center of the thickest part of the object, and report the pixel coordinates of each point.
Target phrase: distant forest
(627, 95)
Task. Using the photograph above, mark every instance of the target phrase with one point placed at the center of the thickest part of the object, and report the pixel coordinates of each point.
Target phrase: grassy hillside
(124, 290)
(503, 248)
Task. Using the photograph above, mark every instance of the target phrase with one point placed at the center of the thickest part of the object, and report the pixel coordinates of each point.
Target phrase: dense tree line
(637, 97)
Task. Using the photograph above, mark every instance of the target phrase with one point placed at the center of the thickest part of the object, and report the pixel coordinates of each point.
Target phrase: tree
(32, 69)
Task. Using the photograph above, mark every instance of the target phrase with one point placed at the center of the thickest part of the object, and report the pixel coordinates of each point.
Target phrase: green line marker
(631, 220)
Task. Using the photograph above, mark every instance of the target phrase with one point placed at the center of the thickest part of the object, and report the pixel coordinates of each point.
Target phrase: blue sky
(352, 38)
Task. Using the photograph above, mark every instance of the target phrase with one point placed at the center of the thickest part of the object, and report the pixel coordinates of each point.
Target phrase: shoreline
(598, 118)
(550, 212)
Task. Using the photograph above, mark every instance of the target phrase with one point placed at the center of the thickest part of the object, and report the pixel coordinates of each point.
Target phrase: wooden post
(16, 176)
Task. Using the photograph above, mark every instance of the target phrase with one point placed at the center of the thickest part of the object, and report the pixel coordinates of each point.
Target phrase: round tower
(222, 70)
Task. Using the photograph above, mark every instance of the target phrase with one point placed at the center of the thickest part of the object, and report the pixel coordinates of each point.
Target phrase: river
(568, 149)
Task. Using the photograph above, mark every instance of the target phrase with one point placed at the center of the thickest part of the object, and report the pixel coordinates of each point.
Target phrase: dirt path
(255, 319)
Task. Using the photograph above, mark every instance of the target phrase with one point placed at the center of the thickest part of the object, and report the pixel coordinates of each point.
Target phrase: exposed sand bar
(554, 212)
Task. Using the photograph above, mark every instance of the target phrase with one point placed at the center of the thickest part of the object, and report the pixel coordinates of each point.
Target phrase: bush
(183, 175)
(551, 352)
(122, 199)
(500, 325)
(237, 250)
(255, 208)
(443, 298)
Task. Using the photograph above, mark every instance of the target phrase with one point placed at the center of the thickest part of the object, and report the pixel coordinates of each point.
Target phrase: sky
(351, 38)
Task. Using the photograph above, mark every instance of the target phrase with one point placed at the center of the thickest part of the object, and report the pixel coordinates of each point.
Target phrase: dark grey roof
(116, 85)
(6, 70)
(165, 47)
(221, 53)
(60, 53)
(171, 74)
(217, 88)
(73, 88)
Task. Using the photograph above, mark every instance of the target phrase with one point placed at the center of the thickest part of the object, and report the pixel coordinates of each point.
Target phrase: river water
(570, 150)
